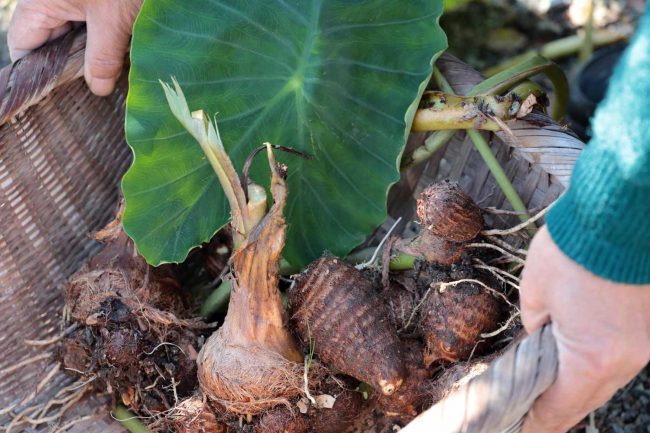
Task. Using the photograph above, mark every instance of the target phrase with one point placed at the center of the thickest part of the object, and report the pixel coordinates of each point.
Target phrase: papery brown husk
(252, 363)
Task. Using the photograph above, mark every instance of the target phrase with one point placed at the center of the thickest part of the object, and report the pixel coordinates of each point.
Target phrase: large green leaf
(337, 79)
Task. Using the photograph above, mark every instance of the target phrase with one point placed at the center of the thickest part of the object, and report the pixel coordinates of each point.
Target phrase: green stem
(499, 174)
(587, 46)
(217, 300)
(441, 81)
(206, 133)
(516, 74)
(128, 420)
(527, 88)
(434, 142)
(400, 262)
(439, 139)
(560, 48)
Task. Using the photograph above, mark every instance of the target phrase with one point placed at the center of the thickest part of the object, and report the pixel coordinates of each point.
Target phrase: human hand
(602, 330)
(109, 25)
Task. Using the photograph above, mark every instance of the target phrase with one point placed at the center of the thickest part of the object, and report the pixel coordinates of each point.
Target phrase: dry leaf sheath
(252, 362)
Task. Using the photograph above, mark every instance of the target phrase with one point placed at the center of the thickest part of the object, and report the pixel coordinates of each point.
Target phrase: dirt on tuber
(454, 317)
(134, 332)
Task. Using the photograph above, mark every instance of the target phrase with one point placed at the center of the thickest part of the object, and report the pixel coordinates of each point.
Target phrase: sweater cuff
(603, 222)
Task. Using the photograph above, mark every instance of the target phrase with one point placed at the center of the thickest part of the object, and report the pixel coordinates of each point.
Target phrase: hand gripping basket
(62, 155)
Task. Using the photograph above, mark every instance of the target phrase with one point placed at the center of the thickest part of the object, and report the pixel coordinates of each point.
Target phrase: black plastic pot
(589, 86)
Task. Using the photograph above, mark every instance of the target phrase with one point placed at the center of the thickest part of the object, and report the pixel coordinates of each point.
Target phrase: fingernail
(101, 86)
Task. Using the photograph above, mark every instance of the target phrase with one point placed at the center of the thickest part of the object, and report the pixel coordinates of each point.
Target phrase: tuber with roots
(252, 363)
(450, 219)
(132, 328)
(334, 306)
(454, 317)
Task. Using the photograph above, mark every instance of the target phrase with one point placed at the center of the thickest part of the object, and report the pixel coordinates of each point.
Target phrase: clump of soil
(194, 415)
(348, 405)
(134, 332)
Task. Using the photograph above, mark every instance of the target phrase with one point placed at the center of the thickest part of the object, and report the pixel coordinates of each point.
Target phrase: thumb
(106, 46)
(534, 312)
(534, 280)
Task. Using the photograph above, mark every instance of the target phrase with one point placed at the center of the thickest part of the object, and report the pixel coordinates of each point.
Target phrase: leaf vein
(217, 40)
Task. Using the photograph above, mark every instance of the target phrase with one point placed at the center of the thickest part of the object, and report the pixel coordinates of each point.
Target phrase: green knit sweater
(603, 220)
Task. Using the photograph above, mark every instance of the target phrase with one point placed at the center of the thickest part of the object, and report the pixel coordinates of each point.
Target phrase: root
(498, 273)
(503, 328)
(88, 291)
(505, 245)
(373, 259)
(41, 384)
(65, 405)
(278, 381)
(305, 377)
(25, 362)
(444, 286)
(497, 211)
(164, 343)
(417, 308)
(166, 318)
(511, 257)
(39, 414)
(63, 428)
(55, 339)
(518, 227)
(17, 420)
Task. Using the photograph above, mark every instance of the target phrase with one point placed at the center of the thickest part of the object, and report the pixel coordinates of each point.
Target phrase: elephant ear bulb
(447, 212)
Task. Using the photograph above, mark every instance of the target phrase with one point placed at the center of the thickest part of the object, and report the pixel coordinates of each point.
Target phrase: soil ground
(510, 20)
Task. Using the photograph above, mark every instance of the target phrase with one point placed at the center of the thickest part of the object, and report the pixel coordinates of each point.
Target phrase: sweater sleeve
(603, 220)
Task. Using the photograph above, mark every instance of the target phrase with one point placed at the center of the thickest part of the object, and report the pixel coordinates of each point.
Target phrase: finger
(534, 309)
(28, 30)
(534, 303)
(34, 22)
(106, 46)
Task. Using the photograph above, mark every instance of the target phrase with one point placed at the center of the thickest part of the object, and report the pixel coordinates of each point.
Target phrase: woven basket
(62, 155)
